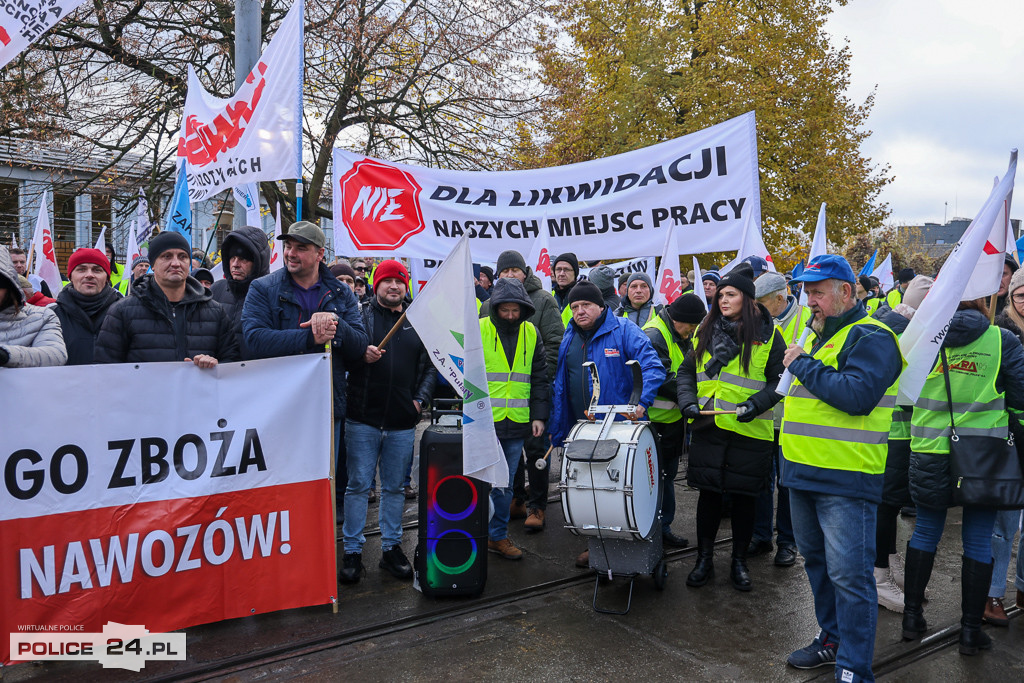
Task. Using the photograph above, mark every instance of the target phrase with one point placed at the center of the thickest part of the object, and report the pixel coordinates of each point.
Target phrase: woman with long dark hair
(979, 375)
(734, 368)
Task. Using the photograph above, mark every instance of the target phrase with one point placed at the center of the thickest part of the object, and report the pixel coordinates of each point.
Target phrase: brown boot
(994, 612)
(535, 522)
(583, 560)
(517, 510)
(505, 548)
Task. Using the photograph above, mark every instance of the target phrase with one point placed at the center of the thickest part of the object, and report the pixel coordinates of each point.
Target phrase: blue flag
(179, 214)
(798, 269)
(1020, 248)
(869, 267)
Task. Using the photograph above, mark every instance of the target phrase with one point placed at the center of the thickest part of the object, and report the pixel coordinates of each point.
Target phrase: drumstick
(540, 463)
(718, 412)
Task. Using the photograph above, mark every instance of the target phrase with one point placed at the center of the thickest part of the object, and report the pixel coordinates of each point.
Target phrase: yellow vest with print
(732, 386)
(509, 387)
(666, 410)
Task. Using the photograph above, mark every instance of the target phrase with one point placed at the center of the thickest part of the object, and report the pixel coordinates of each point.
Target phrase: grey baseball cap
(304, 231)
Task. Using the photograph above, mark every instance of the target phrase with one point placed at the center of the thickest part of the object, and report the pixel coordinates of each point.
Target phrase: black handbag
(986, 470)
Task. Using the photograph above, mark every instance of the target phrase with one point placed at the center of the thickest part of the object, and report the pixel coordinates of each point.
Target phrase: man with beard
(246, 256)
(835, 427)
(83, 304)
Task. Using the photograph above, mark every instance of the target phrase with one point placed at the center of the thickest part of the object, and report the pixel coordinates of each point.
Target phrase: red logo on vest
(380, 205)
(965, 366)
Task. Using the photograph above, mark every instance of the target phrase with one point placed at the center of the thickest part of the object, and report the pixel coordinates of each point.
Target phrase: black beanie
(570, 258)
(586, 291)
(865, 282)
(687, 309)
(905, 275)
(510, 259)
(167, 240)
(740, 280)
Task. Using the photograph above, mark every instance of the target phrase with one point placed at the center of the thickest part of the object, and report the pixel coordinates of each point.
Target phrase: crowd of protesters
(823, 472)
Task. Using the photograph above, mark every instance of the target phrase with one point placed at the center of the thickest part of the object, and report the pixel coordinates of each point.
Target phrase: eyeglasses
(1018, 298)
(359, 269)
(564, 270)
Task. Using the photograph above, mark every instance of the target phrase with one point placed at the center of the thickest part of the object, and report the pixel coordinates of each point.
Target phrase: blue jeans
(765, 506)
(976, 531)
(836, 536)
(1007, 524)
(497, 530)
(365, 447)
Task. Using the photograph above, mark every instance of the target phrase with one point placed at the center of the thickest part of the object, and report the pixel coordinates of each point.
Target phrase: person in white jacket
(30, 336)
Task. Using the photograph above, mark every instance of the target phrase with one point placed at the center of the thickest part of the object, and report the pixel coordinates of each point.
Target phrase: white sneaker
(889, 594)
(898, 569)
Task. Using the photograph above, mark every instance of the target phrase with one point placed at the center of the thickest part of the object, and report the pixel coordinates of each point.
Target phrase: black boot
(739, 575)
(916, 574)
(705, 567)
(975, 578)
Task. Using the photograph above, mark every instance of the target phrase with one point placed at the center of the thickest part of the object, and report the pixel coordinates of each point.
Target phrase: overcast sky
(949, 102)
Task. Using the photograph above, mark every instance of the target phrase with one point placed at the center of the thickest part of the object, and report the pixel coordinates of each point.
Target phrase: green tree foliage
(629, 73)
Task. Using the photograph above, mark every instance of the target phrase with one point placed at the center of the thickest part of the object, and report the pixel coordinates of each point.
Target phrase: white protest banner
(23, 22)
(421, 270)
(44, 258)
(170, 498)
(921, 341)
(445, 317)
(884, 274)
(668, 287)
(254, 135)
(705, 183)
(644, 264)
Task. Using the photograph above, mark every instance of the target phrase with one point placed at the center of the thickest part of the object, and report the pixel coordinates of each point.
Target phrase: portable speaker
(451, 553)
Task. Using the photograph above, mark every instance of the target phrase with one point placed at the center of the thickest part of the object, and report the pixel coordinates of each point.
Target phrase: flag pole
(992, 308)
(391, 332)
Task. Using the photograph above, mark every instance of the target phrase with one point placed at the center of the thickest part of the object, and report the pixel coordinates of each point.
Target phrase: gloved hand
(4, 356)
(745, 412)
(691, 412)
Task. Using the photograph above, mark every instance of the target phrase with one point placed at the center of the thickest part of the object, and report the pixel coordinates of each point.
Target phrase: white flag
(540, 260)
(277, 249)
(752, 245)
(884, 274)
(668, 288)
(24, 22)
(923, 337)
(101, 242)
(698, 281)
(257, 133)
(248, 195)
(988, 272)
(44, 258)
(444, 315)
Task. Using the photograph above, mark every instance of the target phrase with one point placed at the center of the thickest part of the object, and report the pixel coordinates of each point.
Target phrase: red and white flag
(277, 249)
(44, 258)
(819, 247)
(988, 272)
(698, 283)
(921, 341)
(540, 260)
(25, 21)
(256, 134)
(668, 286)
(101, 241)
(884, 274)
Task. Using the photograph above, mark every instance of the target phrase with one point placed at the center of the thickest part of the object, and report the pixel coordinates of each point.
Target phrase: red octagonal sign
(380, 205)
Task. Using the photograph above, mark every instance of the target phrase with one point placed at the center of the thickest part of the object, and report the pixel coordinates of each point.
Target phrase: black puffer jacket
(510, 290)
(79, 326)
(723, 460)
(381, 394)
(252, 243)
(147, 328)
(931, 484)
(896, 483)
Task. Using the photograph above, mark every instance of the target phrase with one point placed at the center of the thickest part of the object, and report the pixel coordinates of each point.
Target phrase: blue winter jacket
(616, 341)
(270, 324)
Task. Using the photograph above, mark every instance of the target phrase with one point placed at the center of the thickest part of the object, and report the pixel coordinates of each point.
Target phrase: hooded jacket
(270, 324)
(509, 290)
(231, 293)
(931, 484)
(381, 394)
(147, 328)
(30, 336)
(606, 280)
(547, 317)
(81, 326)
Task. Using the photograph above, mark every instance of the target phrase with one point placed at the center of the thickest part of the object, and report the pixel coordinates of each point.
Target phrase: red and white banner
(167, 497)
(254, 135)
(705, 183)
(25, 21)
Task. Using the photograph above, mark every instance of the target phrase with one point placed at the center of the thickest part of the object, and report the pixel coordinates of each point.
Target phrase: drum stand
(611, 557)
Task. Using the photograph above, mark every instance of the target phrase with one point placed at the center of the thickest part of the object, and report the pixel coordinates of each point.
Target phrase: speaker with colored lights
(451, 554)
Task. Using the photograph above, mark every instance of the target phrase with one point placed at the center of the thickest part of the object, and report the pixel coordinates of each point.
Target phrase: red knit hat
(390, 268)
(94, 256)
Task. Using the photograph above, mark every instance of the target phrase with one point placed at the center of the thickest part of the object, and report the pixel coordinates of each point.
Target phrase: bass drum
(610, 488)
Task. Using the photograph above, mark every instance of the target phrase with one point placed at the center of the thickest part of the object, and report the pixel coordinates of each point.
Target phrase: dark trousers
(765, 506)
(534, 450)
(670, 450)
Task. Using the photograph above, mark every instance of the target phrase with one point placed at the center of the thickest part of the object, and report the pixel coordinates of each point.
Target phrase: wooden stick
(992, 309)
(391, 332)
(718, 412)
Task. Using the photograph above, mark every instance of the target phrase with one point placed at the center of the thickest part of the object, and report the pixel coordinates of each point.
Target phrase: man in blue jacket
(594, 334)
(301, 307)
